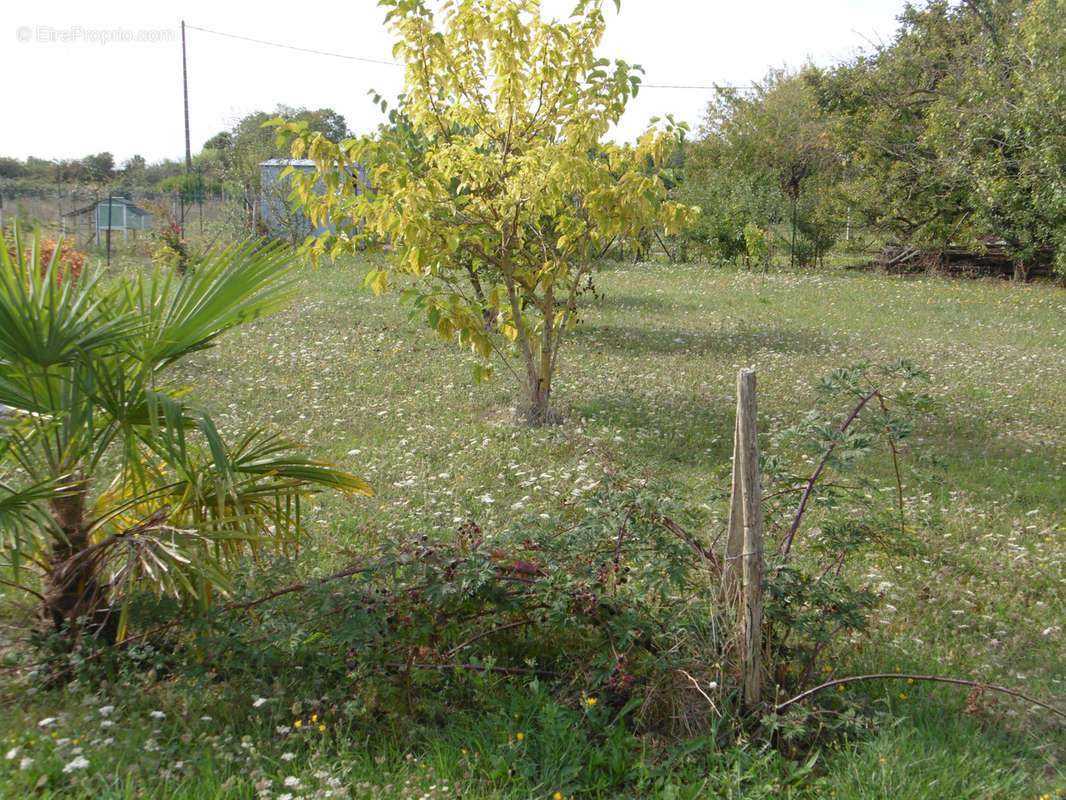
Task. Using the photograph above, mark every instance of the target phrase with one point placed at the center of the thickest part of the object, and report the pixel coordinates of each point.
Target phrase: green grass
(646, 381)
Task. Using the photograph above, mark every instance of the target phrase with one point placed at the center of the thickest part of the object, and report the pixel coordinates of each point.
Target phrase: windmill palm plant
(111, 479)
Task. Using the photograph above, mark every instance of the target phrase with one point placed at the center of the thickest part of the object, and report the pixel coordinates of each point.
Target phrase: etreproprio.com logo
(79, 34)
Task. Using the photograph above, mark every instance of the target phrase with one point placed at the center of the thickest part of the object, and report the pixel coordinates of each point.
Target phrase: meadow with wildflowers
(262, 703)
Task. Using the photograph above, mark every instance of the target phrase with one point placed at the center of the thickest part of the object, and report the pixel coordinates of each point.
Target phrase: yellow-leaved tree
(492, 183)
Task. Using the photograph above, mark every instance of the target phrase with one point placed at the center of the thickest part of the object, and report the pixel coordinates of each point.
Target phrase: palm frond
(228, 286)
(44, 321)
(25, 525)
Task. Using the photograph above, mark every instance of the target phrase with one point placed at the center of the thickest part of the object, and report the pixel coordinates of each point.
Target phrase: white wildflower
(46, 722)
(106, 711)
(78, 763)
(157, 715)
(288, 756)
(260, 701)
(26, 762)
(292, 782)
(12, 754)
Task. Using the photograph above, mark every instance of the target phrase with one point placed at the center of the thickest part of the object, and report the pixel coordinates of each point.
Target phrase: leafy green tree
(11, 168)
(514, 179)
(99, 168)
(897, 178)
(951, 132)
(238, 152)
(110, 478)
(1010, 111)
(765, 155)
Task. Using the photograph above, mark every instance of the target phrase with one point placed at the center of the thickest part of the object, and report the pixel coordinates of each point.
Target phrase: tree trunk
(534, 404)
(72, 590)
(792, 255)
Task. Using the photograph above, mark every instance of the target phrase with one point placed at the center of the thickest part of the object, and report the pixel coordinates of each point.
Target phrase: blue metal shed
(279, 216)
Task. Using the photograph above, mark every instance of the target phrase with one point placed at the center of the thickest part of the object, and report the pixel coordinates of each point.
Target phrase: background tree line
(949, 135)
(228, 161)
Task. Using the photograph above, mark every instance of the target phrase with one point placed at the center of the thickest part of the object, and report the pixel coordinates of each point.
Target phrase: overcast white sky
(71, 89)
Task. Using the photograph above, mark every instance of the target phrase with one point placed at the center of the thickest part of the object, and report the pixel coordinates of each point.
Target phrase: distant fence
(69, 211)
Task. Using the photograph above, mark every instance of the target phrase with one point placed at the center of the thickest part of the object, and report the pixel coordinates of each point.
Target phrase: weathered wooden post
(742, 573)
(732, 577)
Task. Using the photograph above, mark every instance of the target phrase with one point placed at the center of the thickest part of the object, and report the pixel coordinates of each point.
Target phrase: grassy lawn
(647, 382)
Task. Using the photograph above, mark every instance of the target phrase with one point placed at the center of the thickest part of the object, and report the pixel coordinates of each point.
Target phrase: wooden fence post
(744, 547)
(734, 543)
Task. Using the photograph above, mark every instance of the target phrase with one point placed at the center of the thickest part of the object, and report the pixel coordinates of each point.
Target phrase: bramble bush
(614, 595)
(599, 620)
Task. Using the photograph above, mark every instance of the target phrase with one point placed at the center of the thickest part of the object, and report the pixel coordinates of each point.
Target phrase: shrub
(61, 257)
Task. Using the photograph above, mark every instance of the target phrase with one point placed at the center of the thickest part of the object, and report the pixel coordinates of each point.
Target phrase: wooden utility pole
(742, 575)
(188, 148)
(185, 87)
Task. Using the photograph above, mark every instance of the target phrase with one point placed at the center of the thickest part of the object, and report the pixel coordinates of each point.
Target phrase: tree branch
(881, 676)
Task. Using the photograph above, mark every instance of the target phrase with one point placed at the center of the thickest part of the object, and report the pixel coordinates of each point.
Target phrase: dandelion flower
(321, 727)
(558, 796)
(591, 701)
(520, 736)
(297, 723)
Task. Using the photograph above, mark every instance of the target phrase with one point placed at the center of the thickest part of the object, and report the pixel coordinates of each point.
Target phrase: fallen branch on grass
(882, 676)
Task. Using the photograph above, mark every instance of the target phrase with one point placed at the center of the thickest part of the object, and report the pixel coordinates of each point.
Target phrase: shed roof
(131, 207)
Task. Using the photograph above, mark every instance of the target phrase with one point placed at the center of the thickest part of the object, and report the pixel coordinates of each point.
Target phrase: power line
(293, 47)
(711, 87)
